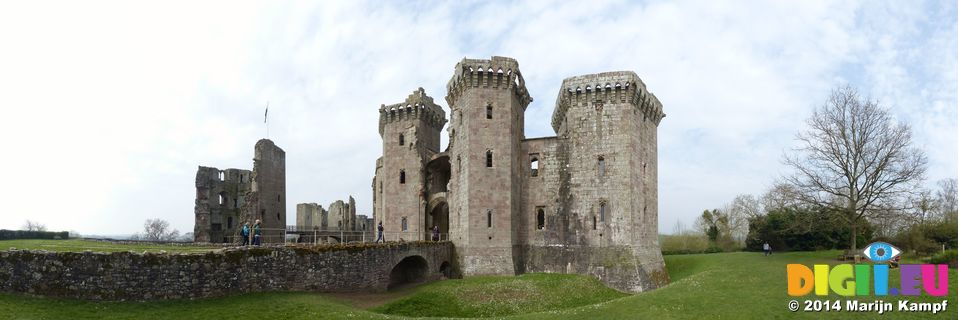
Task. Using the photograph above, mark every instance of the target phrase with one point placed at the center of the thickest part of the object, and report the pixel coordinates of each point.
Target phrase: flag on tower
(266, 115)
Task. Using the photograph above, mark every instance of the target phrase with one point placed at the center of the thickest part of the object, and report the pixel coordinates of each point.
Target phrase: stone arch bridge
(159, 276)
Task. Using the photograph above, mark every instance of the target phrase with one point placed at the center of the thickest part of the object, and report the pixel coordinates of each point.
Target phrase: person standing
(435, 233)
(257, 233)
(245, 233)
(380, 237)
(767, 248)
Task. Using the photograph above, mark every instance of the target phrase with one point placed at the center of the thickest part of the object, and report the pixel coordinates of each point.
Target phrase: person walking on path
(257, 233)
(767, 248)
(380, 237)
(245, 233)
(435, 233)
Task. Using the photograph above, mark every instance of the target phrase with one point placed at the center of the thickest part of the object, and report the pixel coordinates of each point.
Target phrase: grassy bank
(739, 285)
(79, 245)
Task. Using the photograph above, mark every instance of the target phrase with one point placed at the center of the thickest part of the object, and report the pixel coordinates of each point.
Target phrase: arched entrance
(410, 270)
(439, 216)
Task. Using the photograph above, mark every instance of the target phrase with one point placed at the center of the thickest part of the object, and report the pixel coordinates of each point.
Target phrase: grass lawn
(78, 245)
(737, 285)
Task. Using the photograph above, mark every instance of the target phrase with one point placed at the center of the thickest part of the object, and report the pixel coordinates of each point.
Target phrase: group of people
(253, 235)
(435, 233)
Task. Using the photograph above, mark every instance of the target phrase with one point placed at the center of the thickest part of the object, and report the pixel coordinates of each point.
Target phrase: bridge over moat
(149, 276)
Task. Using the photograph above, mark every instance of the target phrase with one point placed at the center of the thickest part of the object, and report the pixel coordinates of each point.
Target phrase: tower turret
(487, 99)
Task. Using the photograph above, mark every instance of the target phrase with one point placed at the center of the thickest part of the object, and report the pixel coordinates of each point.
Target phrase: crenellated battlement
(417, 105)
(498, 73)
(620, 86)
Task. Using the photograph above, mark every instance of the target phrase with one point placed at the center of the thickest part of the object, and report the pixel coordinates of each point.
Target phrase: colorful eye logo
(881, 252)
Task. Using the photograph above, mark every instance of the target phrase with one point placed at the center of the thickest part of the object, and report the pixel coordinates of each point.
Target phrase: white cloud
(112, 105)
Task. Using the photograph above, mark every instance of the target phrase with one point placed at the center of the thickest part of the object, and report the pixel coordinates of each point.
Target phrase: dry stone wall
(161, 276)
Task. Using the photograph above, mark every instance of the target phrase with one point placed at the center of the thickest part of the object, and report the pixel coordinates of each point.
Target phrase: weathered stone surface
(159, 276)
(227, 198)
(589, 207)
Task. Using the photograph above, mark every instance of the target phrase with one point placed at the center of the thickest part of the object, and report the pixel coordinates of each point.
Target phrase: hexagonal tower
(410, 133)
(488, 99)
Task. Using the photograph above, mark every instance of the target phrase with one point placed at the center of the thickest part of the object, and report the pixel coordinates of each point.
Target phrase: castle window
(534, 165)
(540, 219)
(241, 178)
(488, 218)
(601, 166)
(489, 112)
(278, 217)
(593, 223)
(459, 164)
(235, 203)
(402, 139)
(223, 199)
(402, 176)
(229, 222)
(405, 225)
(602, 212)
(221, 175)
(489, 159)
(277, 198)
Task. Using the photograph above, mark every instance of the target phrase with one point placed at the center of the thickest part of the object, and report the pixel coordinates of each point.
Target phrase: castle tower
(267, 199)
(410, 133)
(607, 199)
(487, 99)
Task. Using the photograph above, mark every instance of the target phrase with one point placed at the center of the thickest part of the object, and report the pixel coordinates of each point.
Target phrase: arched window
(489, 159)
(540, 219)
(534, 166)
(402, 139)
(405, 225)
(488, 218)
(489, 111)
(402, 176)
(223, 199)
(602, 211)
(221, 175)
(601, 166)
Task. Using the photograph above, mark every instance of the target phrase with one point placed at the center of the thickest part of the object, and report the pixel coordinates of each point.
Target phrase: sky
(109, 106)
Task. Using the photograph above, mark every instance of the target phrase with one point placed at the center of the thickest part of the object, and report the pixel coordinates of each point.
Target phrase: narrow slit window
(489, 112)
(602, 212)
(534, 166)
(489, 159)
(402, 176)
(540, 219)
(402, 139)
(405, 225)
(594, 224)
(601, 166)
(489, 219)
(222, 199)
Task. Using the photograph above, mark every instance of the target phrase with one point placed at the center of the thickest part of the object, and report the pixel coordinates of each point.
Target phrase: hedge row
(23, 234)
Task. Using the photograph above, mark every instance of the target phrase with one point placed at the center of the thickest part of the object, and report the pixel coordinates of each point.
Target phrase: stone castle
(584, 201)
(227, 198)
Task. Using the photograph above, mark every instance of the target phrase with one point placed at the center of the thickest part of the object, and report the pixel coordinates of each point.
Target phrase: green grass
(740, 285)
(490, 296)
(77, 245)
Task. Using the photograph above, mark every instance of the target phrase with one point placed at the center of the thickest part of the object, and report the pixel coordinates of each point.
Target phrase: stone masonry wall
(161, 276)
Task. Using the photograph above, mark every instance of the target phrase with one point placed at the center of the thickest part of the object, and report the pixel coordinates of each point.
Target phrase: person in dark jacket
(257, 233)
(245, 233)
(380, 237)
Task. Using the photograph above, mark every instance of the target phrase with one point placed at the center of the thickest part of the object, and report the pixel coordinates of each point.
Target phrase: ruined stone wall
(311, 215)
(488, 99)
(161, 276)
(410, 132)
(220, 195)
(267, 200)
(541, 191)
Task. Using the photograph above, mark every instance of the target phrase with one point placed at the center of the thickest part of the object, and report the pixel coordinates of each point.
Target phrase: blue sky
(109, 107)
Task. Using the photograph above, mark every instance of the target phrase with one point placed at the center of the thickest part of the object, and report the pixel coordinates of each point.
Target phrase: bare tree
(743, 207)
(855, 160)
(34, 226)
(947, 198)
(780, 195)
(158, 230)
